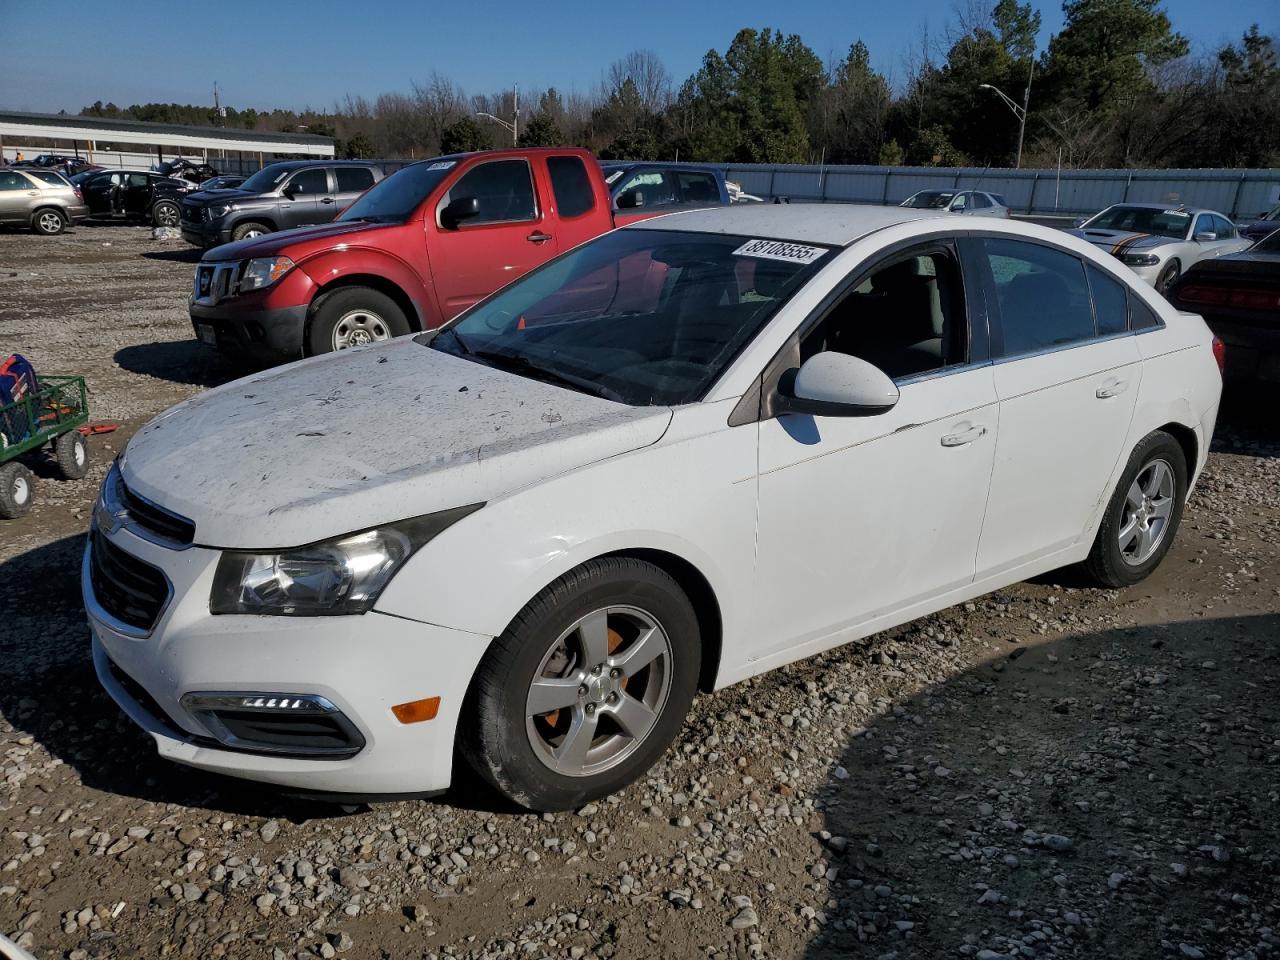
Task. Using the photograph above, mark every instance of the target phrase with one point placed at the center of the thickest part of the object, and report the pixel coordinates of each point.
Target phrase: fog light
(416, 711)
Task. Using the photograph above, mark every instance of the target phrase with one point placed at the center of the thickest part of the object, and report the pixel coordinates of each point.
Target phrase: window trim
(466, 226)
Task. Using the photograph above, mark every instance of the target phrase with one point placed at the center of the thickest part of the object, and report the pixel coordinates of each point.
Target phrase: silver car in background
(40, 199)
(976, 203)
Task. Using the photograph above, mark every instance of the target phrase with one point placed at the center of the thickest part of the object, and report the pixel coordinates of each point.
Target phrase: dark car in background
(223, 181)
(1267, 222)
(64, 164)
(295, 193)
(1239, 297)
(639, 190)
(133, 195)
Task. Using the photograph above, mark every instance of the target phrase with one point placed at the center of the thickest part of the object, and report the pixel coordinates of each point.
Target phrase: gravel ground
(1053, 771)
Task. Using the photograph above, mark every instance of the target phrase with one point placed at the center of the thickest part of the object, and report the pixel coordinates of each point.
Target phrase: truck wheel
(49, 222)
(17, 487)
(352, 317)
(249, 230)
(165, 214)
(71, 450)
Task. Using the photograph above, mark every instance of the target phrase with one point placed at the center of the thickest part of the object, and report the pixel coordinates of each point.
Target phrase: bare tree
(644, 69)
(439, 102)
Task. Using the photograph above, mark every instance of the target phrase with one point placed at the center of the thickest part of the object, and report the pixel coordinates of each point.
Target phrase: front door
(472, 258)
(860, 517)
(1067, 373)
(300, 198)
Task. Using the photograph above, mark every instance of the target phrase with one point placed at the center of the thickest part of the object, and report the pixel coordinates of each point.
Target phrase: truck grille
(192, 213)
(131, 590)
(215, 282)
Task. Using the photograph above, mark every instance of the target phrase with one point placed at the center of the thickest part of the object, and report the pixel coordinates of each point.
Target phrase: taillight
(1250, 298)
(1197, 293)
(79, 195)
(1220, 354)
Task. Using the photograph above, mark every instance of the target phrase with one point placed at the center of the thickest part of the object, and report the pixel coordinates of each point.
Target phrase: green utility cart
(52, 415)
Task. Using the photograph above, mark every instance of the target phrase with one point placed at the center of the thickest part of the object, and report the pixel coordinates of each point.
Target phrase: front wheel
(1168, 277)
(247, 231)
(1143, 514)
(586, 688)
(17, 487)
(353, 317)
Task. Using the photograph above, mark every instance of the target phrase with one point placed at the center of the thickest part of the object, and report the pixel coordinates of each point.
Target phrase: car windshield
(1273, 214)
(643, 317)
(1270, 243)
(267, 178)
(392, 200)
(1162, 223)
(929, 199)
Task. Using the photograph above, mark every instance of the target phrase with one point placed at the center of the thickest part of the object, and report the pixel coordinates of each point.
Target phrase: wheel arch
(383, 285)
(1187, 440)
(250, 216)
(61, 211)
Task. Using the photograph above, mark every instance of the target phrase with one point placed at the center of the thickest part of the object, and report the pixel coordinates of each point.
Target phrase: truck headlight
(263, 272)
(344, 575)
(219, 211)
(1139, 259)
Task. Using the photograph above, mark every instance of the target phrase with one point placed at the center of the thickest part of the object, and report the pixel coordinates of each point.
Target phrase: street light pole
(514, 126)
(1018, 111)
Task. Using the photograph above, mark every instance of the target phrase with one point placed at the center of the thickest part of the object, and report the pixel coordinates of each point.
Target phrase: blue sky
(311, 54)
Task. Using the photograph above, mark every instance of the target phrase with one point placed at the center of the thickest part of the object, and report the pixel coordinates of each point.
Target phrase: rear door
(1067, 373)
(509, 236)
(349, 183)
(137, 193)
(300, 199)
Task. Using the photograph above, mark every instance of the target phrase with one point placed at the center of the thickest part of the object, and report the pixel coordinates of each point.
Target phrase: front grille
(130, 590)
(215, 282)
(191, 212)
(156, 520)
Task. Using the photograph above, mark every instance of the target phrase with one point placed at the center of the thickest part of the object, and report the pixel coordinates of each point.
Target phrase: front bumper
(363, 665)
(204, 234)
(264, 335)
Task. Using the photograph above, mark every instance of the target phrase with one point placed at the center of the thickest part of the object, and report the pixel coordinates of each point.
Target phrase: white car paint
(977, 478)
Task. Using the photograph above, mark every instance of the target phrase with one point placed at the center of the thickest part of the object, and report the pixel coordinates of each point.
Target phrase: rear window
(571, 185)
(354, 179)
(697, 187)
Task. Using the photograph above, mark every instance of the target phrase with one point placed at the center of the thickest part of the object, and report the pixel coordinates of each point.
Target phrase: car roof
(833, 224)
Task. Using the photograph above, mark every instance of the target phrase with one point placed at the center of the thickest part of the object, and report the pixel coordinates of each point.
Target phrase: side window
(1224, 228)
(1110, 302)
(961, 202)
(980, 201)
(13, 181)
(504, 189)
(1141, 316)
(571, 186)
(1042, 294)
(139, 180)
(653, 187)
(353, 179)
(697, 187)
(906, 318)
(1204, 224)
(311, 182)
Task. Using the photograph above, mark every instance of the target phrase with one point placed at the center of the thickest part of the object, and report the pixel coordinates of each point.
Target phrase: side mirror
(463, 208)
(831, 384)
(630, 200)
(1204, 236)
(1079, 221)
(291, 190)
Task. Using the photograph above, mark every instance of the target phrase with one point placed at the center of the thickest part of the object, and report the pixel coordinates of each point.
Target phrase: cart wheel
(17, 486)
(72, 452)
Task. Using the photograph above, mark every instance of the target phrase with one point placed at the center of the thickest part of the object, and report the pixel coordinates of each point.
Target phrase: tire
(524, 756)
(249, 229)
(165, 213)
(1147, 492)
(71, 450)
(17, 490)
(49, 221)
(352, 317)
(1168, 277)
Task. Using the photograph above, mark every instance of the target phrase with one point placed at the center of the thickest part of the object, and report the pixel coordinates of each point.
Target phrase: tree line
(1117, 86)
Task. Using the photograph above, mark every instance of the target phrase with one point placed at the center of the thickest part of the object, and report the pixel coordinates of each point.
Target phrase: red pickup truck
(412, 252)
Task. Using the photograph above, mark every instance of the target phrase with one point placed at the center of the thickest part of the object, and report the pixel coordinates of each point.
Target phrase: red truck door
(508, 233)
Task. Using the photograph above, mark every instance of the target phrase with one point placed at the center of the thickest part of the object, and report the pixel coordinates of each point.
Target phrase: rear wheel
(353, 317)
(249, 230)
(71, 450)
(1143, 514)
(586, 688)
(165, 214)
(17, 487)
(49, 221)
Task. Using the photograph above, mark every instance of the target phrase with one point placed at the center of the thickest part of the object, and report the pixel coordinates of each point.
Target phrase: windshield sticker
(442, 164)
(779, 250)
(1176, 213)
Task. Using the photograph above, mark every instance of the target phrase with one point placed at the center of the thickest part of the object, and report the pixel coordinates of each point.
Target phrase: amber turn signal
(415, 711)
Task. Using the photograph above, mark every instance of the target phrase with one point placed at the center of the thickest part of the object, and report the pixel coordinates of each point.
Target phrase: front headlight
(1139, 259)
(263, 272)
(339, 576)
(219, 211)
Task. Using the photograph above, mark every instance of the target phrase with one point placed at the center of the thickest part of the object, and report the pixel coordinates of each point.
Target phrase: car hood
(298, 243)
(1121, 241)
(352, 440)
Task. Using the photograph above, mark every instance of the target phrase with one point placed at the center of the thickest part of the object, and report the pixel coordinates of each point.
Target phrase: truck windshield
(266, 178)
(393, 199)
(643, 317)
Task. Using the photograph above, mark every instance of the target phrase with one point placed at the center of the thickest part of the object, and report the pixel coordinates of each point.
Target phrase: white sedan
(1161, 242)
(679, 455)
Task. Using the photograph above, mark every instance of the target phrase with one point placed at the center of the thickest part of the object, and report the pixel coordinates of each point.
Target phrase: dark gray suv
(294, 193)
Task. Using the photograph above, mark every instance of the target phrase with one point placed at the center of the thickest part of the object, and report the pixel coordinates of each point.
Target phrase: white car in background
(1160, 242)
(679, 455)
(974, 203)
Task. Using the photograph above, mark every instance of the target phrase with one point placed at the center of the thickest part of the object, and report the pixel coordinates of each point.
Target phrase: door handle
(964, 436)
(538, 237)
(326, 199)
(1112, 388)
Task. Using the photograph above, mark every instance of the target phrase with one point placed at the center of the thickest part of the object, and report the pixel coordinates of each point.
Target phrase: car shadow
(185, 255)
(181, 361)
(1084, 796)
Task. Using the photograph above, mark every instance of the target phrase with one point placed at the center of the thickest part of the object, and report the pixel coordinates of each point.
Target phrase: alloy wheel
(50, 222)
(1148, 505)
(599, 691)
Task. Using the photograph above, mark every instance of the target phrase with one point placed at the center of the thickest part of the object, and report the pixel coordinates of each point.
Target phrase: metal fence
(1237, 193)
